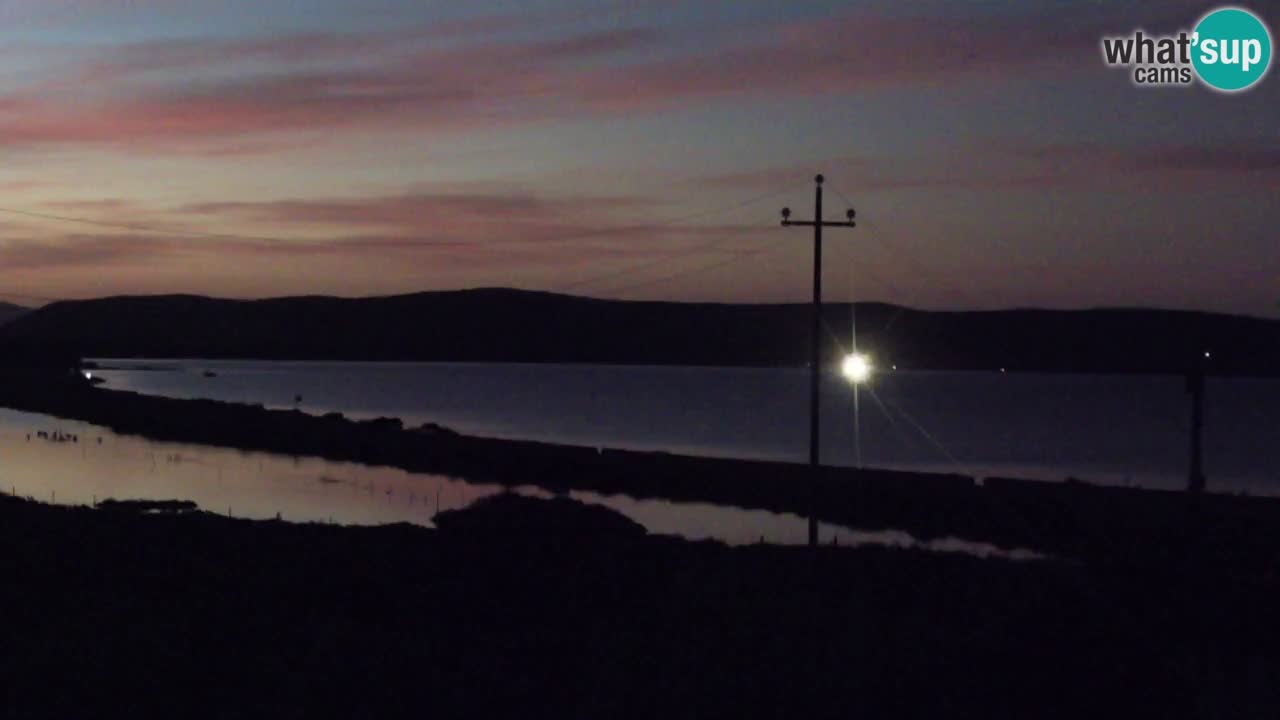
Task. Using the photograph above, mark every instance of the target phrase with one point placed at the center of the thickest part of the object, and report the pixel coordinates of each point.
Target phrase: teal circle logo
(1231, 49)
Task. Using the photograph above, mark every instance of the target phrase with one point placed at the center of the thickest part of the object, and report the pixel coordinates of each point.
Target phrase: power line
(140, 227)
(905, 253)
(634, 269)
(609, 275)
(645, 265)
(735, 258)
(157, 229)
(901, 251)
(599, 232)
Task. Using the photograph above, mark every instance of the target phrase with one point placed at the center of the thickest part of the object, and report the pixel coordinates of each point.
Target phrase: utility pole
(815, 356)
(1195, 386)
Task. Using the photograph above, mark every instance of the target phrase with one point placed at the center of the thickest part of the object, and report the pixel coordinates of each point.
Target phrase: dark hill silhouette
(498, 325)
(10, 312)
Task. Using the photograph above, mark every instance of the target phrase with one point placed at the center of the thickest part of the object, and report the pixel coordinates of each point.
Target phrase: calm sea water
(1111, 429)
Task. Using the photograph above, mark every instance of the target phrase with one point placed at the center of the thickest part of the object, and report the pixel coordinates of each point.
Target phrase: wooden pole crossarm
(811, 223)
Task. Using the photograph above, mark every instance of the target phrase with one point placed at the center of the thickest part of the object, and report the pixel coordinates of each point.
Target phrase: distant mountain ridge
(500, 325)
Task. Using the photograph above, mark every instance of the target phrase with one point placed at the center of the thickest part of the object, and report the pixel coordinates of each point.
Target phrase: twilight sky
(637, 149)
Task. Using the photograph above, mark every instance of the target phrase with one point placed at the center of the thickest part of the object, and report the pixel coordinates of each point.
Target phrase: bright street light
(856, 368)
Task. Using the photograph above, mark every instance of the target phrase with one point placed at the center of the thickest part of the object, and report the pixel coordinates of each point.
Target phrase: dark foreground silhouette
(195, 615)
(10, 312)
(1153, 604)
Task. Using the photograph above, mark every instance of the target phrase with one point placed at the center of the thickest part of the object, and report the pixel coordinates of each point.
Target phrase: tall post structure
(815, 355)
(1195, 471)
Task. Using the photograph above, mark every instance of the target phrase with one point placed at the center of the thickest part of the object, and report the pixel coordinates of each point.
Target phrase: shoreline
(1066, 520)
(153, 364)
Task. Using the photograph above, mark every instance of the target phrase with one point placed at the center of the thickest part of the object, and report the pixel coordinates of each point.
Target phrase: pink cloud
(22, 185)
(1228, 159)
(1156, 167)
(867, 175)
(78, 251)
(402, 86)
(250, 96)
(460, 216)
(464, 231)
(860, 51)
(774, 177)
(1077, 166)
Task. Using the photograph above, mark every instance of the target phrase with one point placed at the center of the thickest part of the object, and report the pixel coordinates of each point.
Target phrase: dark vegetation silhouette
(517, 326)
(147, 506)
(232, 618)
(529, 519)
(39, 360)
(10, 312)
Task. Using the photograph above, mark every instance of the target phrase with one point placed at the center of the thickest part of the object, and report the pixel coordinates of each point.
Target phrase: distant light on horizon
(856, 368)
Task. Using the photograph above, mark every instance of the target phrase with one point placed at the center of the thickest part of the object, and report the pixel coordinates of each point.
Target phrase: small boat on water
(210, 374)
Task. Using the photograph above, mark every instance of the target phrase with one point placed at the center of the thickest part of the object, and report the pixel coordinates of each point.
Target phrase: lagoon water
(1105, 429)
(1110, 429)
(100, 464)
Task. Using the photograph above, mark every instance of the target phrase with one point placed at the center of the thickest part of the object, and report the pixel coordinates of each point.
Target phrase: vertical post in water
(1195, 473)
